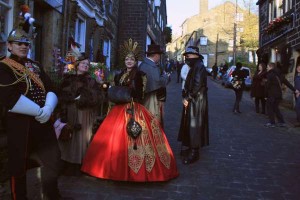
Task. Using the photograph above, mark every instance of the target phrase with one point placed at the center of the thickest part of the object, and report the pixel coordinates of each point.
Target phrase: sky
(180, 10)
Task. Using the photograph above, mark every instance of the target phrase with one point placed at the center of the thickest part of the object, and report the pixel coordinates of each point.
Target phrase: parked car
(227, 77)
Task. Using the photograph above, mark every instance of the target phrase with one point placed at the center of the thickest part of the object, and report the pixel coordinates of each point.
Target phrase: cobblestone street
(245, 160)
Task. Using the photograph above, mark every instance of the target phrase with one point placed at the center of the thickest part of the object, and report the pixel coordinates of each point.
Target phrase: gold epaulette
(23, 72)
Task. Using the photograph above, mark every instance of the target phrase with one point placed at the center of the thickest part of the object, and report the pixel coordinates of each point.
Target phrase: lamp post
(234, 33)
(217, 44)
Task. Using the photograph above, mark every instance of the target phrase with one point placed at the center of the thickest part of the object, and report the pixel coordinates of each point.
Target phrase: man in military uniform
(28, 98)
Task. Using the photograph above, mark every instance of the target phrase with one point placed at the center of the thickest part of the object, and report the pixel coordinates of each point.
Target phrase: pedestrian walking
(274, 94)
(257, 90)
(194, 130)
(156, 82)
(238, 84)
(27, 94)
(297, 87)
(117, 154)
(214, 71)
(178, 70)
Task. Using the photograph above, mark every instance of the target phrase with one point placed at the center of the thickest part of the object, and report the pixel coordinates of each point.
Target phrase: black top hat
(154, 49)
(193, 50)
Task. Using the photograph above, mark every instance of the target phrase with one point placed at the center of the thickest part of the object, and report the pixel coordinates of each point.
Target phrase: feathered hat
(130, 47)
(24, 29)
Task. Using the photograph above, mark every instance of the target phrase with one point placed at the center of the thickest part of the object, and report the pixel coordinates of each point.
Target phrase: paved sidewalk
(289, 113)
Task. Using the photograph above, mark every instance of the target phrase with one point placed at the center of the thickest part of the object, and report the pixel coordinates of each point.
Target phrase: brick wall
(294, 38)
(133, 21)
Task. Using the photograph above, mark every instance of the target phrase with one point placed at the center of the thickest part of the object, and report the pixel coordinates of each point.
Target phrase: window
(230, 43)
(288, 5)
(240, 29)
(109, 7)
(279, 8)
(203, 40)
(106, 52)
(239, 17)
(80, 30)
(5, 24)
(272, 10)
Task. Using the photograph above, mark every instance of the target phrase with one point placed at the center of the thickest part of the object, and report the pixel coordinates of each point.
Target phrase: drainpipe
(65, 31)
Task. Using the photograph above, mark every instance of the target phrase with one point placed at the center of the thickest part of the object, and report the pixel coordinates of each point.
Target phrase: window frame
(7, 23)
(203, 41)
(82, 34)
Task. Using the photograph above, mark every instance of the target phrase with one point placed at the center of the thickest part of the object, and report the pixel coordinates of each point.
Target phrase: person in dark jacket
(297, 87)
(214, 70)
(274, 94)
(194, 130)
(155, 94)
(29, 99)
(238, 84)
(258, 87)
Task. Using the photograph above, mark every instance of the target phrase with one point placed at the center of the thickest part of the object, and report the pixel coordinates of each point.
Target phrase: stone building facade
(93, 24)
(213, 32)
(99, 26)
(279, 29)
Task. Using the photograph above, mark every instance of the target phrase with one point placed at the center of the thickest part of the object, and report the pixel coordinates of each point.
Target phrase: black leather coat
(194, 122)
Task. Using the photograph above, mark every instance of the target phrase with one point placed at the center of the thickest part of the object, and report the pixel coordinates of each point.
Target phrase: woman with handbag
(238, 86)
(80, 96)
(130, 144)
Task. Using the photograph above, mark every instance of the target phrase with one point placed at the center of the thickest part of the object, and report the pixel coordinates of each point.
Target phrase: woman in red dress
(113, 154)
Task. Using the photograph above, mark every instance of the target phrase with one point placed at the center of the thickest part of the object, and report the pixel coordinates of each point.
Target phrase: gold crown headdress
(130, 47)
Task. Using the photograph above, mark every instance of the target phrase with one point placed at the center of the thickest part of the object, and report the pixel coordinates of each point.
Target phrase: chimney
(203, 7)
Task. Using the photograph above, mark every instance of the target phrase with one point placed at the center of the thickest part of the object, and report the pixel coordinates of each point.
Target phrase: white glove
(50, 104)
(26, 106)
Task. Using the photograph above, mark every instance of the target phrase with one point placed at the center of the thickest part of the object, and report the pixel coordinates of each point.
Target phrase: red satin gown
(111, 154)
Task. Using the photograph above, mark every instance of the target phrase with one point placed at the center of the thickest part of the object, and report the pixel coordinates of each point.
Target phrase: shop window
(80, 31)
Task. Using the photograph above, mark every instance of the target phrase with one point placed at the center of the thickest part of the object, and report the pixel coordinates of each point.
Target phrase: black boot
(184, 151)
(192, 157)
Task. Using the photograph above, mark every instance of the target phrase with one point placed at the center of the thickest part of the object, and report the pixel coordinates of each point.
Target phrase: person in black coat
(194, 131)
(258, 87)
(273, 94)
(238, 84)
(29, 100)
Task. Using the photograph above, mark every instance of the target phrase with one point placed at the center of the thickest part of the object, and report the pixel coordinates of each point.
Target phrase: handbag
(133, 128)
(119, 94)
